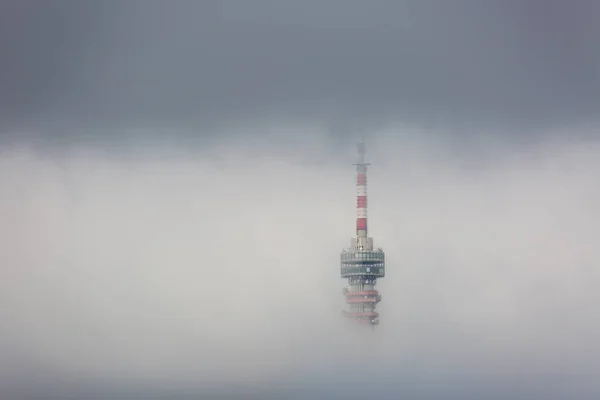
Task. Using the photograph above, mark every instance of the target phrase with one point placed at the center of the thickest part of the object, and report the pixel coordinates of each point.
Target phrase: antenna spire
(361, 151)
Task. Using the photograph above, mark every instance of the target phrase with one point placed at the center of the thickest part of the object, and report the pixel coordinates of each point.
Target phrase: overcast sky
(451, 63)
(200, 255)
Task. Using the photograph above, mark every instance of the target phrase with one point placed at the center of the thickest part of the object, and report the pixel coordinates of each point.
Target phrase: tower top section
(361, 264)
(361, 154)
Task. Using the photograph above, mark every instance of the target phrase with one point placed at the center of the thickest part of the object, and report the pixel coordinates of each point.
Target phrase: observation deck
(363, 263)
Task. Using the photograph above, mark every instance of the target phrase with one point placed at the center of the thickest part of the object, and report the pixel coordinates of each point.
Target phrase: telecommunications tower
(361, 264)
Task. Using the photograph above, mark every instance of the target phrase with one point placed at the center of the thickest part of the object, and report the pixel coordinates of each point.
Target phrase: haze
(176, 187)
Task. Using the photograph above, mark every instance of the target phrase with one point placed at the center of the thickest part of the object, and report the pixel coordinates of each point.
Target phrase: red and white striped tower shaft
(361, 196)
(361, 264)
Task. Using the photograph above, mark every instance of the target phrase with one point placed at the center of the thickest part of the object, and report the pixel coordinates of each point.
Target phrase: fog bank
(216, 270)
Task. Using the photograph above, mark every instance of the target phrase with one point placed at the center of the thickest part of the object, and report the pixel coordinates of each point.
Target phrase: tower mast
(360, 263)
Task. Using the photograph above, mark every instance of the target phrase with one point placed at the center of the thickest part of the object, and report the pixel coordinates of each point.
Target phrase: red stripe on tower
(361, 179)
(361, 201)
(361, 224)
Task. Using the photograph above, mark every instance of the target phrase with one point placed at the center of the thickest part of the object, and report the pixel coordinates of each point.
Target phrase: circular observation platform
(363, 263)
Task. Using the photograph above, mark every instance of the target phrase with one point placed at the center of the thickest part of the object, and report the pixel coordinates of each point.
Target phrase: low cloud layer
(216, 271)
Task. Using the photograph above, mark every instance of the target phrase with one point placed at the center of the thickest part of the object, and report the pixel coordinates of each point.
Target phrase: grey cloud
(453, 64)
(217, 272)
